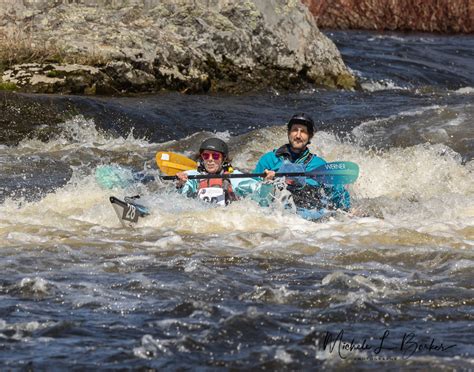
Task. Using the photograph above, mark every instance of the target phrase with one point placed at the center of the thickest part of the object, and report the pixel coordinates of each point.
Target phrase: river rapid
(198, 286)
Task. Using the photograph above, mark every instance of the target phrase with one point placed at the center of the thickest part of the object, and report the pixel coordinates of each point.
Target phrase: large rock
(404, 15)
(185, 45)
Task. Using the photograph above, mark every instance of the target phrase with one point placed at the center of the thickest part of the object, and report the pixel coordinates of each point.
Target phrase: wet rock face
(403, 15)
(185, 45)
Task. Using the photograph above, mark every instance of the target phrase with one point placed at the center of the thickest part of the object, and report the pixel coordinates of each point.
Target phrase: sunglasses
(208, 155)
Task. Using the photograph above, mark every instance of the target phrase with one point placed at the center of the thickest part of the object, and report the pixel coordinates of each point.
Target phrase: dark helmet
(303, 119)
(214, 144)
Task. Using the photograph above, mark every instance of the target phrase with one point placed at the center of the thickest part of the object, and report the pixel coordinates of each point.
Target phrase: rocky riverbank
(401, 15)
(115, 47)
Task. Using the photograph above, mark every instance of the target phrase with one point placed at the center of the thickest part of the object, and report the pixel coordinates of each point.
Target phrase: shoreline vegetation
(189, 46)
(440, 16)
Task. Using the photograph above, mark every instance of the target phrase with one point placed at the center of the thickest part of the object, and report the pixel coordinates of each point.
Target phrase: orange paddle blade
(171, 163)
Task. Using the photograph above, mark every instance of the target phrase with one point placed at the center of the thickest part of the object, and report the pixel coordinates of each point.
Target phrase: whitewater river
(196, 286)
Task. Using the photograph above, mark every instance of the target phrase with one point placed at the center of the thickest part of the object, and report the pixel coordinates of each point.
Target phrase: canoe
(129, 211)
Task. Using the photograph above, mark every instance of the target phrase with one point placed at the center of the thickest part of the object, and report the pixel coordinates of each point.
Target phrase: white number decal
(131, 212)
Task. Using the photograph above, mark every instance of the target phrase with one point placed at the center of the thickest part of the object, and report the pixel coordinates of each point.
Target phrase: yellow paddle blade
(171, 163)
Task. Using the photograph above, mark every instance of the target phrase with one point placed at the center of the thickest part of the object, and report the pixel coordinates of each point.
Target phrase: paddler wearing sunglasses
(214, 159)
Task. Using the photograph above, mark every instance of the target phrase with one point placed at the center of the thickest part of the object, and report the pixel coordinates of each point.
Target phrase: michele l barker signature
(407, 345)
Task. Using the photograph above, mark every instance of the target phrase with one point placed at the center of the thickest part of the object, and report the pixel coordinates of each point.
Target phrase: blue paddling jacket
(241, 187)
(328, 196)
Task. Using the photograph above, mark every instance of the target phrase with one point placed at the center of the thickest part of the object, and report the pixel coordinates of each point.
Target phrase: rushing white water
(246, 287)
(200, 272)
(417, 192)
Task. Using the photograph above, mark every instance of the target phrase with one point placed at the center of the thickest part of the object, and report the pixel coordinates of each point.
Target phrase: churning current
(199, 286)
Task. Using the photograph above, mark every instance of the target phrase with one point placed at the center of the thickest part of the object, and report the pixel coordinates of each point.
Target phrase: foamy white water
(245, 287)
(410, 188)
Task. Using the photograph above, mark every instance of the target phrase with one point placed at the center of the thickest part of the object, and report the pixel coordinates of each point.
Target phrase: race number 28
(130, 213)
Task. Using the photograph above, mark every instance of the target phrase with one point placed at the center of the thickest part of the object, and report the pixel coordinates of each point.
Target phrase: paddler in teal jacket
(295, 153)
(214, 159)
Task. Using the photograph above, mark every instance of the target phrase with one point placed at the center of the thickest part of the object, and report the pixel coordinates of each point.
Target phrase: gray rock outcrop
(184, 45)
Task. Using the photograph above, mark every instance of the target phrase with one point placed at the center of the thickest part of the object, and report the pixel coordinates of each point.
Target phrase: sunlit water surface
(193, 285)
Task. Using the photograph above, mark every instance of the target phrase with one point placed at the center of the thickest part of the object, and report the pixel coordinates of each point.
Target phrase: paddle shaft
(335, 173)
(239, 175)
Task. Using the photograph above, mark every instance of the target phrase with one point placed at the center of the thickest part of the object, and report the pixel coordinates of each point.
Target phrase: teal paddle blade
(111, 177)
(336, 173)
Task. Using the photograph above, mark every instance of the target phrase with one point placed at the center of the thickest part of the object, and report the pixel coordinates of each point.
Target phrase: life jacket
(305, 196)
(285, 153)
(205, 187)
